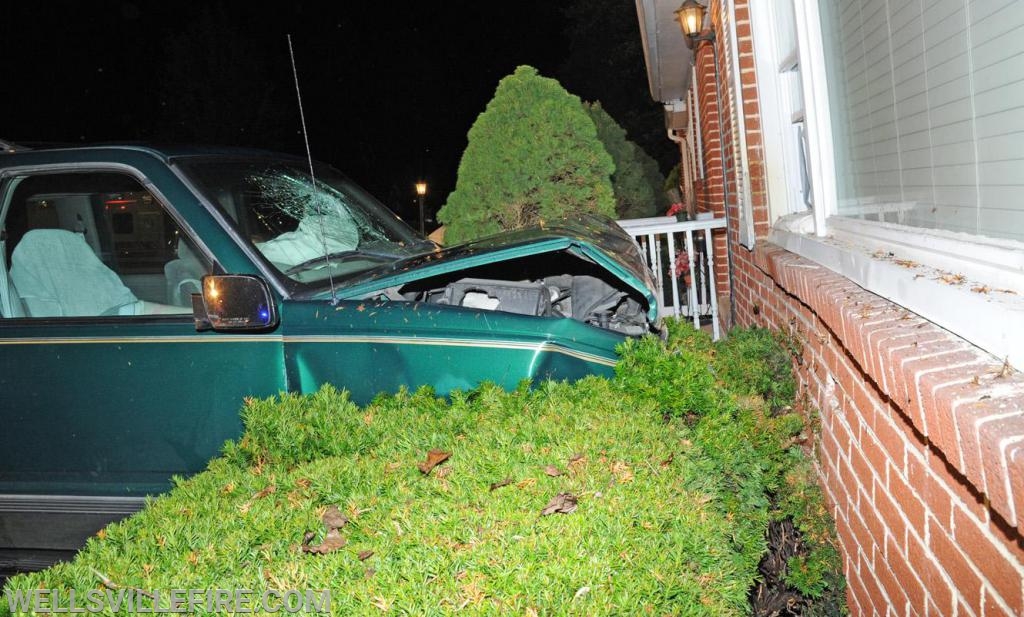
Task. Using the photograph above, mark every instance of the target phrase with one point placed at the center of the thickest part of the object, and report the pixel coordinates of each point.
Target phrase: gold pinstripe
(441, 342)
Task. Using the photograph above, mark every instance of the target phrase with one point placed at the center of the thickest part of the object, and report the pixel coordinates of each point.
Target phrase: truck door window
(94, 244)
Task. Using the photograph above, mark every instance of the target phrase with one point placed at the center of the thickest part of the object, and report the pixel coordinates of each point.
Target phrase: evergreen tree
(637, 182)
(533, 155)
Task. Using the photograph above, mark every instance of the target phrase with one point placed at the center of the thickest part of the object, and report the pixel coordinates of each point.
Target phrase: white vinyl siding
(927, 101)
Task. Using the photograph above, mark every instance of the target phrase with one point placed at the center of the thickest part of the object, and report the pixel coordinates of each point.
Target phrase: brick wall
(919, 451)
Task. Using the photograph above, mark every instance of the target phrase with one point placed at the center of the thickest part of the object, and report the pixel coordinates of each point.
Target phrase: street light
(421, 192)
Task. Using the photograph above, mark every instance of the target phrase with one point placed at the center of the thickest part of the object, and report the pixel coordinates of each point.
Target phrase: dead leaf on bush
(564, 503)
(364, 555)
(525, 483)
(668, 461)
(501, 483)
(303, 483)
(434, 458)
(270, 490)
(553, 471)
(622, 472)
(332, 542)
(333, 518)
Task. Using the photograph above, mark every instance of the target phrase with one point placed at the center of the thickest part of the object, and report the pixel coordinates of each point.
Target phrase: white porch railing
(687, 287)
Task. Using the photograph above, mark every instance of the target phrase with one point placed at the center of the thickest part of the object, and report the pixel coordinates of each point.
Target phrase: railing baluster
(709, 244)
(672, 273)
(692, 288)
(701, 297)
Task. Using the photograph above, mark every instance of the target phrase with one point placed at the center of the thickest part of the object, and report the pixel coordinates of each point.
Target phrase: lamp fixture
(690, 16)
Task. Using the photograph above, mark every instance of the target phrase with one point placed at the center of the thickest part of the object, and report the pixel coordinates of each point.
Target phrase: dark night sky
(390, 88)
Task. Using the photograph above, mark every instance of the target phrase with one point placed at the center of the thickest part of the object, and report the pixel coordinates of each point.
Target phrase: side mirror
(234, 302)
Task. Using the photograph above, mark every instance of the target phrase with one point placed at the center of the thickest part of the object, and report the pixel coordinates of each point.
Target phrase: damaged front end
(586, 269)
(329, 240)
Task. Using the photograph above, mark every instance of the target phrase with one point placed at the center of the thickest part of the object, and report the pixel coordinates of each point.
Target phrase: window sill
(973, 287)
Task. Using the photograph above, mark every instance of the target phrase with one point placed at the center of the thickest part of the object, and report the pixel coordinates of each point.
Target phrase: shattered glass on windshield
(309, 231)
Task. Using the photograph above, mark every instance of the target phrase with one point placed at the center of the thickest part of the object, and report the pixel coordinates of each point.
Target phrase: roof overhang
(666, 55)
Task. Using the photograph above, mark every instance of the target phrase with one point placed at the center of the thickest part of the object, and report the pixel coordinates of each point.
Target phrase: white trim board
(988, 312)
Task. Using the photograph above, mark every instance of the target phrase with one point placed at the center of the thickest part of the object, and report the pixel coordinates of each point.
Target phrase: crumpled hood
(594, 238)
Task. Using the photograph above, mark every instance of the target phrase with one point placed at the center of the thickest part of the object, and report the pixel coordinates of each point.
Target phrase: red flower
(674, 209)
(682, 263)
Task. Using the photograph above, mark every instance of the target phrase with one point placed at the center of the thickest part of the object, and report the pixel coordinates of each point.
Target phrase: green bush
(756, 361)
(674, 499)
(533, 156)
(637, 182)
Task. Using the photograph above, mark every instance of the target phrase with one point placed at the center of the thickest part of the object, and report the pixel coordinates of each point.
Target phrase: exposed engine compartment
(549, 285)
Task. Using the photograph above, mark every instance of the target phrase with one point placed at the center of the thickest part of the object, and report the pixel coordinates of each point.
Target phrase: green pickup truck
(144, 292)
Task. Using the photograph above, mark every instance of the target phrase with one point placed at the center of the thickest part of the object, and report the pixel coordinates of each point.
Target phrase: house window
(781, 57)
(912, 139)
(928, 113)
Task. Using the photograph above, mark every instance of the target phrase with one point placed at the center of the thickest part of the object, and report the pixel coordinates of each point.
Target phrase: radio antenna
(312, 175)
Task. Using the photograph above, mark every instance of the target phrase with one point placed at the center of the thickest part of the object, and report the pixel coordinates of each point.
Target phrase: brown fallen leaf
(564, 503)
(434, 458)
(303, 483)
(668, 461)
(332, 542)
(501, 483)
(333, 518)
(553, 471)
(308, 537)
(576, 458)
(622, 471)
(270, 490)
(364, 555)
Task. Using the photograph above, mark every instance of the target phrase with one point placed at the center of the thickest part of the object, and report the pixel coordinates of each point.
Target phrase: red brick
(875, 596)
(909, 580)
(891, 513)
(952, 561)
(973, 450)
(1003, 573)
(857, 598)
(995, 469)
(917, 367)
(895, 440)
(910, 502)
(941, 592)
(1015, 465)
(935, 391)
(893, 587)
(992, 608)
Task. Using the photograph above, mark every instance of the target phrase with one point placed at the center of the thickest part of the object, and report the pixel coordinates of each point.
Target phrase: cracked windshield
(308, 230)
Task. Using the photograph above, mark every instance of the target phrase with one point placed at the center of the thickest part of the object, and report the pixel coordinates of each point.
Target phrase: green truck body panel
(104, 407)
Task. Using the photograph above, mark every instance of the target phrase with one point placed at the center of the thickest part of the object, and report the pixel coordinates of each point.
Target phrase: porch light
(691, 19)
(421, 188)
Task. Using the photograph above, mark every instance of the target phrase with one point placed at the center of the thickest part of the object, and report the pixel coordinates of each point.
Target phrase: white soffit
(665, 53)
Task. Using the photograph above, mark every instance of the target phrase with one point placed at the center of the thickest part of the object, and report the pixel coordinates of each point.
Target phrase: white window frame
(970, 285)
